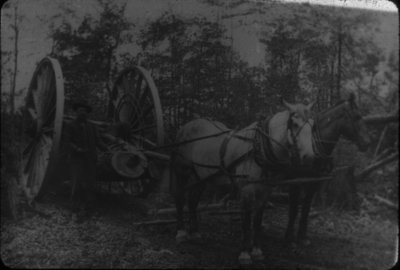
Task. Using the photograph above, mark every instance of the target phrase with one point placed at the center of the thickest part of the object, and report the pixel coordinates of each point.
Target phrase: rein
(224, 169)
(189, 141)
(317, 141)
(319, 148)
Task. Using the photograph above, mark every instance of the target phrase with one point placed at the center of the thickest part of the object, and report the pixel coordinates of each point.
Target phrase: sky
(34, 44)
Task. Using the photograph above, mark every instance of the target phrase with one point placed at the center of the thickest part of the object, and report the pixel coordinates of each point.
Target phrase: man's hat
(131, 164)
(82, 104)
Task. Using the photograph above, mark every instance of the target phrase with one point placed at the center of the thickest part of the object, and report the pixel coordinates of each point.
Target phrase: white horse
(208, 150)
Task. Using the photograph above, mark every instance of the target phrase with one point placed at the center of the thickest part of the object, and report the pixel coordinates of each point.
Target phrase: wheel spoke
(33, 114)
(30, 150)
(147, 110)
(36, 102)
(134, 117)
(126, 84)
(125, 113)
(49, 117)
(143, 128)
(39, 94)
(145, 95)
(43, 161)
(47, 81)
(138, 88)
(143, 101)
(143, 139)
(50, 96)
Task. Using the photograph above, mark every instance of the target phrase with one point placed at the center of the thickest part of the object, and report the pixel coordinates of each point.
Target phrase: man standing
(82, 139)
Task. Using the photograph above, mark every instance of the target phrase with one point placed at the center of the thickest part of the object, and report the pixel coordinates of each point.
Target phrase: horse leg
(302, 233)
(179, 204)
(193, 201)
(256, 252)
(294, 193)
(262, 193)
(246, 206)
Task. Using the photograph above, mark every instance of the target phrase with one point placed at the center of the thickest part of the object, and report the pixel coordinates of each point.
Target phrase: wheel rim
(135, 101)
(45, 108)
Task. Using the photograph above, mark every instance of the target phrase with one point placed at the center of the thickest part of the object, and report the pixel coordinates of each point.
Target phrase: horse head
(343, 119)
(352, 126)
(300, 132)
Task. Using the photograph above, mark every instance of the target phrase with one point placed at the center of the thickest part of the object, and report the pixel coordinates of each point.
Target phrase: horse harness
(261, 151)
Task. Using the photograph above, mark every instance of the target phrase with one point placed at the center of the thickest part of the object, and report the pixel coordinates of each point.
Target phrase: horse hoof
(245, 259)
(181, 236)
(257, 254)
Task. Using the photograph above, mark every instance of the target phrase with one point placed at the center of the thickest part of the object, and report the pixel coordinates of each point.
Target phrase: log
(172, 211)
(155, 222)
(69, 118)
(156, 155)
(236, 211)
(381, 118)
(302, 180)
(386, 202)
(299, 265)
(224, 213)
(362, 175)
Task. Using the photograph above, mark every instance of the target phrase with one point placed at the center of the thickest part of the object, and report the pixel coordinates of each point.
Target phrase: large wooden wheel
(135, 101)
(43, 122)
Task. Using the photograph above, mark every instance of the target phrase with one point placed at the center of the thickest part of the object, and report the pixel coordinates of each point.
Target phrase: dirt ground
(53, 238)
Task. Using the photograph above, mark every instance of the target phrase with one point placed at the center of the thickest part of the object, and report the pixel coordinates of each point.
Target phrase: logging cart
(129, 165)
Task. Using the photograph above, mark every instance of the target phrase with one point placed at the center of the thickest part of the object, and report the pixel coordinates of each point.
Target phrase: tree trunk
(9, 197)
(330, 97)
(14, 79)
(339, 67)
(340, 192)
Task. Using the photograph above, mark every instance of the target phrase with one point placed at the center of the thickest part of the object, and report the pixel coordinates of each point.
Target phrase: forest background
(226, 60)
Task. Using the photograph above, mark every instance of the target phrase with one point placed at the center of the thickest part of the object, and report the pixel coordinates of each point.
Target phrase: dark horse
(342, 119)
(208, 151)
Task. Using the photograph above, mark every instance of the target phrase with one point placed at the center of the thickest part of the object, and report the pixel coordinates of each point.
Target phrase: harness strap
(222, 150)
(318, 147)
(221, 172)
(293, 150)
(263, 153)
(189, 141)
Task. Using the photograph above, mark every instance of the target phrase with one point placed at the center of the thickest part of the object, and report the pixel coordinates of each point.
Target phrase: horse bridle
(295, 135)
(317, 136)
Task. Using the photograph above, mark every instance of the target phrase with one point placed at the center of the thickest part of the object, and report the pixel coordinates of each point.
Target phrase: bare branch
(362, 175)
(378, 146)
(386, 202)
(383, 154)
